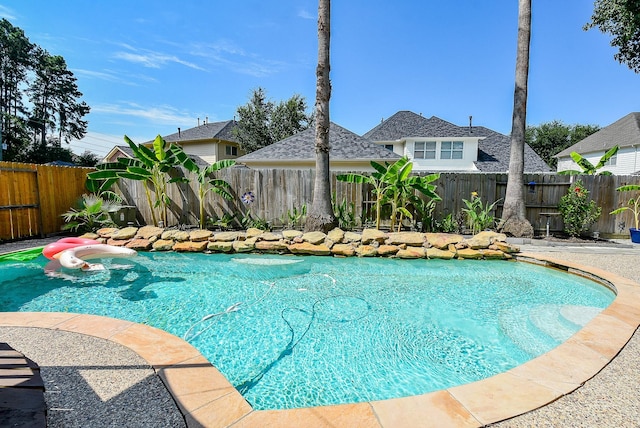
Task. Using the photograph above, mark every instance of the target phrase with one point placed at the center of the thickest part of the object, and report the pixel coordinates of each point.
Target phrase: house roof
(206, 131)
(623, 133)
(406, 124)
(127, 151)
(345, 145)
(493, 147)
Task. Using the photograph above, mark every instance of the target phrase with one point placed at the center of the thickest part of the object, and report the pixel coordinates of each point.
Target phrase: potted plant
(633, 205)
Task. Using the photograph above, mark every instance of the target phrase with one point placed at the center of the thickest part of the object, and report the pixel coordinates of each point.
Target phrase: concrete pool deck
(205, 398)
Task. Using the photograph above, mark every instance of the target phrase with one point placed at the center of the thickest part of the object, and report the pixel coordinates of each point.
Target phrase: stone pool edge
(207, 399)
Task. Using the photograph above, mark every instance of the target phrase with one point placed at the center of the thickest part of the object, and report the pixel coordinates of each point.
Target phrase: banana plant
(587, 167)
(152, 167)
(393, 184)
(206, 184)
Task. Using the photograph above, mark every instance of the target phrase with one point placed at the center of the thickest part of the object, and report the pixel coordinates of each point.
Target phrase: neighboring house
(437, 145)
(348, 152)
(125, 151)
(210, 141)
(625, 133)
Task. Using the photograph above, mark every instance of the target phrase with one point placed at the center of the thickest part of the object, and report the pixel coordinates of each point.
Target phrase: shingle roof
(493, 150)
(345, 145)
(206, 131)
(624, 132)
(197, 159)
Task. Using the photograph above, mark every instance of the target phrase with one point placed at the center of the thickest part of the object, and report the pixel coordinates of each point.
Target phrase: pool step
(21, 390)
(538, 329)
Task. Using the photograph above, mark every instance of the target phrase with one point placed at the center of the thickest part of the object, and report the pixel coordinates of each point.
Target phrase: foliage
(633, 204)
(206, 183)
(87, 158)
(587, 167)
(394, 185)
(294, 217)
(450, 223)
(577, 210)
(40, 103)
(262, 122)
(550, 138)
(152, 167)
(345, 213)
(619, 18)
(479, 216)
(423, 215)
(91, 214)
(224, 223)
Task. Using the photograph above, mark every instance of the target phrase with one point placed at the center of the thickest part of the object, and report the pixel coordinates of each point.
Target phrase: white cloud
(232, 57)
(306, 15)
(152, 59)
(7, 13)
(160, 115)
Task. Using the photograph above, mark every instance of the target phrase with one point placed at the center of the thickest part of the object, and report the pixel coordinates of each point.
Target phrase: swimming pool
(313, 331)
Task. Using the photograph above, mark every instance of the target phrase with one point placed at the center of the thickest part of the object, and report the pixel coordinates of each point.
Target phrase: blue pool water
(305, 331)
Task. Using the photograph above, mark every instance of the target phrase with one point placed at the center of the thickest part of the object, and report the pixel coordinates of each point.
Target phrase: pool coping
(207, 399)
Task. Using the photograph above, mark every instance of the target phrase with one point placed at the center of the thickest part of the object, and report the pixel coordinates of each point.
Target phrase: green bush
(577, 210)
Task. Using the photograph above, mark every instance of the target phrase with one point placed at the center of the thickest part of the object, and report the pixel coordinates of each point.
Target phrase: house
(625, 133)
(211, 141)
(348, 152)
(434, 144)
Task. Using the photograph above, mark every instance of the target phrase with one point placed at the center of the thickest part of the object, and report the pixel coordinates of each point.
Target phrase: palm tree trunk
(514, 220)
(320, 215)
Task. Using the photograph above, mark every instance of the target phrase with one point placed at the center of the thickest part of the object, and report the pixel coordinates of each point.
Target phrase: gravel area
(92, 382)
(611, 398)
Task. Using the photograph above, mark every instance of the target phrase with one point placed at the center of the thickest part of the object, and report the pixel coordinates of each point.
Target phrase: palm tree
(514, 218)
(321, 215)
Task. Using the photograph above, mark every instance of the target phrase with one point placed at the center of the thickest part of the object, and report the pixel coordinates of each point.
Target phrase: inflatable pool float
(72, 253)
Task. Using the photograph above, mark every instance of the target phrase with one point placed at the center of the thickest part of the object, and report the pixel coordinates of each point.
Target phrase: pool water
(293, 332)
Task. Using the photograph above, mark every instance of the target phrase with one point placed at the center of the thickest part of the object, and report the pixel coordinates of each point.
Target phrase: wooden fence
(279, 191)
(33, 197)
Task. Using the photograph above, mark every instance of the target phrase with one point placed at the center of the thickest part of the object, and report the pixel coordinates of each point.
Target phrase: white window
(231, 150)
(451, 150)
(424, 150)
(388, 147)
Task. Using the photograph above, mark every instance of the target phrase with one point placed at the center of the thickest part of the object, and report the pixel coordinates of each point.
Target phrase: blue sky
(148, 67)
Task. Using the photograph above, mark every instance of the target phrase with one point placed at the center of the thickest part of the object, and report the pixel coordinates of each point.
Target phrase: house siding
(627, 161)
(469, 155)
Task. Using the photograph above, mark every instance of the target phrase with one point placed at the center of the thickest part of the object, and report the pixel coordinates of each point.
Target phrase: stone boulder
(387, 250)
(200, 235)
(346, 250)
(309, 248)
(226, 236)
(436, 253)
(484, 239)
(314, 238)
(124, 234)
(411, 253)
(106, 232)
(253, 232)
(351, 237)
(139, 244)
(367, 251)
(373, 235)
(117, 242)
(336, 235)
(244, 246)
(469, 253)
(220, 246)
(175, 234)
(412, 239)
(505, 247)
(291, 234)
(148, 232)
(494, 254)
(163, 245)
(190, 246)
(271, 246)
(443, 240)
(269, 236)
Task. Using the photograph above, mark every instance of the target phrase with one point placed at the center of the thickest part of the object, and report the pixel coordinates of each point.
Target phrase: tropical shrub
(91, 213)
(577, 210)
(587, 167)
(633, 204)
(479, 216)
